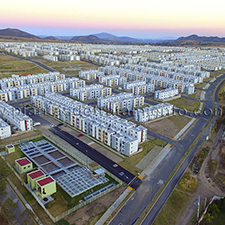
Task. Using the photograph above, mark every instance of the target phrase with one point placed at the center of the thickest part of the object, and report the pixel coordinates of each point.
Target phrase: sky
(138, 19)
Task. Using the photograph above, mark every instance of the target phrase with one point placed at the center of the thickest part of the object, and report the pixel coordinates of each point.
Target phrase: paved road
(118, 171)
(133, 209)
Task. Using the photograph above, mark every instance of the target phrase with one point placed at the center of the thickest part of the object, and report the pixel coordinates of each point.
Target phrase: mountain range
(104, 38)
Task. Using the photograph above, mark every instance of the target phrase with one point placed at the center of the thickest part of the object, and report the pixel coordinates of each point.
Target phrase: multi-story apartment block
(5, 129)
(130, 85)
(120, 102)
(15, 117)
(153, 112)
(112, 80)
(90, 74)
(166, 93)
(93, 121)
(90, 92)
(142, 89)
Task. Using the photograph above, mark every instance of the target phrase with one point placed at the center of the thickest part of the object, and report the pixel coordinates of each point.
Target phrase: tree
(208, 217)
(214, 209)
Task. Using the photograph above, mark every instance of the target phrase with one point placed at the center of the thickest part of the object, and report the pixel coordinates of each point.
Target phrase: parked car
(80, 135)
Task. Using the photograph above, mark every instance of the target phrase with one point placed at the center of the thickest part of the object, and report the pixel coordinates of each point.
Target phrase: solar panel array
(70, 175)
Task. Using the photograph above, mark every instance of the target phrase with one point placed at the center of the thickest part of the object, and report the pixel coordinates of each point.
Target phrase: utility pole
(198, 209)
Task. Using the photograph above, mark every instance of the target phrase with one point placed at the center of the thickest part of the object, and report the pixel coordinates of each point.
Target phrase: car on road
(80, 135)
(121, 173)
(51, 125)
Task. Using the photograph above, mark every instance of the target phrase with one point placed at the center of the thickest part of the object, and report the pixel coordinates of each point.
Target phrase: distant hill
(16, 33)
(51, 38)
(110, 37)
(88, 38)
(195, 37)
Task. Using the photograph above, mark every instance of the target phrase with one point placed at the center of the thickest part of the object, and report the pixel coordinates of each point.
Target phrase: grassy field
(76, 66)
(221, 94)
(130, 162)
(184, 103)
(11, 65)
(178, 200)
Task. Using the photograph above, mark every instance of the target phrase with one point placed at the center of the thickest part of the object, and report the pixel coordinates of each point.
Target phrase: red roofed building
(23, 165)
(46, 187)
(32, 177)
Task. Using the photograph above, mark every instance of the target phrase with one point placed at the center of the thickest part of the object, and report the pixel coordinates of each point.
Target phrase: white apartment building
(166, 93)
(120, 102)
(153, 112)
(142, 89)
(15, 117)
(130, 85)
(5, 129)
(112, 80)
(90, 74)
(51, 58)
(90, 92)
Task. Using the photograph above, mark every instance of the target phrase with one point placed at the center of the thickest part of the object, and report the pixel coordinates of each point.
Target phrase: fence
(22, 140)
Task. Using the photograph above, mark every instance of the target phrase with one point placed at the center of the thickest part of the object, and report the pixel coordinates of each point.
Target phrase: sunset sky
(138, 19)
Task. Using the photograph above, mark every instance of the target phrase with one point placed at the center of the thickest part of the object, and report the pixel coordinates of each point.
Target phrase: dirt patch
(90, 214)
(168, 126)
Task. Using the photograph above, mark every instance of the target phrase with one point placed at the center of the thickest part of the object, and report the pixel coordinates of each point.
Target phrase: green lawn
(174, 206)
(184, 103)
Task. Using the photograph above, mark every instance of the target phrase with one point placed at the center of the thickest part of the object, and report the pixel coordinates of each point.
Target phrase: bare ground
(90, 214)
(168, 126)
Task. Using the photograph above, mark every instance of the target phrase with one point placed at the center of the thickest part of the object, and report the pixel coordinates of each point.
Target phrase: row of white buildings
(39, 88)
(15, 117)
(159, 81)
(120, 102)
(90, 92)
(153, 112)
(25, 79)
(120, 134)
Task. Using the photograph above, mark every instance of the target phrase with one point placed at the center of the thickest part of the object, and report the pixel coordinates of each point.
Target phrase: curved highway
(135, 206)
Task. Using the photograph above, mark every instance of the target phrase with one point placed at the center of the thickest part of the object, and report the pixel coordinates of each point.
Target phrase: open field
(168, 126)
(62, 66)
(221, 94)
(10, 65)
(184, 103)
